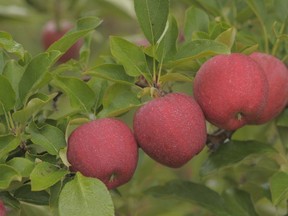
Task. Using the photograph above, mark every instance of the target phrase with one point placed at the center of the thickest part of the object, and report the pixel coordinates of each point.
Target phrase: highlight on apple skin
(170, 129)
(232, 90)
(105, 149)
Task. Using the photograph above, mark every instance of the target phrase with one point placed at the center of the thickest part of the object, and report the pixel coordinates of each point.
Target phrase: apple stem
(57, 14)
(239, 116)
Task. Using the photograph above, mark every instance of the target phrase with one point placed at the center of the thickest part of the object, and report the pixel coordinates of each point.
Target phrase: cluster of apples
(229, 90)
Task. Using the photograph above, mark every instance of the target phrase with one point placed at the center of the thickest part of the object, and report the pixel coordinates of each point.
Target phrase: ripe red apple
(2, 209)
(52, 33)
(277, 76)
(105, 149)
(170, 129)
(232, 90)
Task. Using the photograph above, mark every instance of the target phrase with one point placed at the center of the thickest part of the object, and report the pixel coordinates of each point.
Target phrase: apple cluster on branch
(230, 91)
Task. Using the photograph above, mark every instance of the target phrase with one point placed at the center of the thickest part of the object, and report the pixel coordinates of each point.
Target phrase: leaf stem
(278, 40)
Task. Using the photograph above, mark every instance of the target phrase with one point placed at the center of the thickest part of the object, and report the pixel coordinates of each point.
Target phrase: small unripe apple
(2, 209)
(277, 76)
(51, 33)
(170, 129)
(232, 90)
(105, 149)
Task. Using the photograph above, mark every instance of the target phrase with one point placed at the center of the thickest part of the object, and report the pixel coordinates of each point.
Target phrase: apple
(2, 209)
(105, 149)
(51, 33)
(170, 129)
(277, 76)
(232, 90)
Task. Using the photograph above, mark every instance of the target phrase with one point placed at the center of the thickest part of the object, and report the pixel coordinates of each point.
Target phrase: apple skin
(232, 90)
(105, 149)
(170, 129)
(2, 209)
(50, 34)
(277, 76)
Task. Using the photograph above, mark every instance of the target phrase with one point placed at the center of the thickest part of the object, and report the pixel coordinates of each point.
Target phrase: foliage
(42, 101)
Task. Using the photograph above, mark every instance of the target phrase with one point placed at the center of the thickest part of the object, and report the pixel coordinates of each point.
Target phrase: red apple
(277, 75)
(232, 90)
(105, 149)
(170, 129)
(2, 209)
(51, 33)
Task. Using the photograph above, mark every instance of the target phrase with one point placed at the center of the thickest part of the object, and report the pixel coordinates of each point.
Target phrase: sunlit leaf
(7, 175)
(11, 46)
(51, 138)
(152, 16)
(44, 175)
(89, 192)
(279, 187)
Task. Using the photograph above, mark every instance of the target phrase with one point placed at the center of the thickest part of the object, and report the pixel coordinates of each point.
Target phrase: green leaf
(7, 175)
(7, 94)
(35, 73)
(175, 77)
(13, 72)
(192, 192)
(99, 86)
(233, 152)
(167, 47)
(8, 143)
(227, 37)
(51, 138)
(80, 94)
(198, 49)
(55, 191)
(25, 194)
(11, 46)
(22, 165)
(33, 107)
(84, 26)
(112, 72)
(130, 56)
(152, 16)
(239, 203)
(195, 20)
(9, 200)
(44, 175)
(117, 100)
(279, 187)
(86, 196)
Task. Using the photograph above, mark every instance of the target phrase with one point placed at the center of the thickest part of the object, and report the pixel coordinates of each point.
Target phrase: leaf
(8, 143)
(198, 49)
(86, 196)
(80, 94)
(11, 46)
(227, 37)
(117, 100)
(7, 175)
(99, 86)
(51, 138)
(7, 94)
(279, 187)
(167, 47)
(22, 165)
(233, 152)
(13, 72)
(175, 77)
(25, 194)
(33, 107)
(44, 175)
(55, 191)
(84, 26)
(192, 192)
(152, 16)
(239, 203)
(195, 20)
(35, 73)
(111, 72)
(9, 200)
(130, 56)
